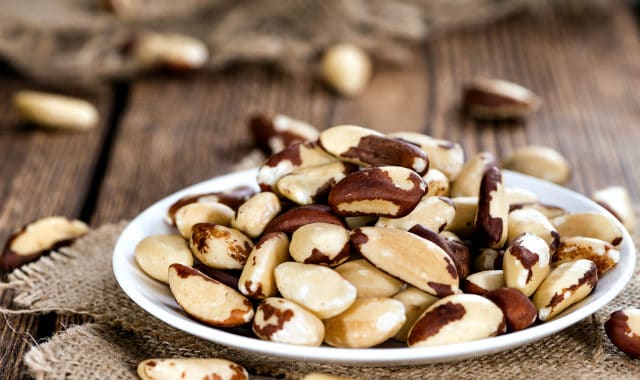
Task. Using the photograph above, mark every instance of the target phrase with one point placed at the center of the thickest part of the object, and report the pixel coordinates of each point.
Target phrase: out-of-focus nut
(274, 133)
(458, 252)
(191, 369)
(257, 280)
(467, 183)
(415, 302)
(617, 201)
(603, 254)
(55, 112)
(208, 300)
(434, 213)
(201, 212)
(219, 246)
(533, 221)
(155, 253)
(254, 215)
(172, 51)
(363, 146)
(391, 191)
(292, 219)
(566, 284)
(38, 237)
(496, 99)
(482, 282)
(228, 277)
(518, 195)
(549, 211)
(589, 224)
(463, 221)
(366, 323)
(539, 161)
(324, 376)
(283, 321)
(369, 280)
(410, 258)
(623, 328)
(487, 259)
(492, 219)
(444, 155)
(518, 310)
(526, 263)
(437, 183)
(354, 222)
(346, 68)
(457, 318)
(232, 198)
(312, 185)
(318, 288)
(320, 243)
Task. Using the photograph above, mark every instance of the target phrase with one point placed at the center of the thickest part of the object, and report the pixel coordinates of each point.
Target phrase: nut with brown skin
(492, 219)
(467, 183)
(623, 328)
(463, 222)
(603, 254)
(518, 195)
(346, 68)
(55, 112)
(257, 280)
(549, 211)
(434, 213)
(320, 243)
(365, 147)
(312, 185)
(272, 133)
(280, 320)
(219, 246)
(292, 219)
(232, 198)
(369, 280)
(172, 51)
(526, 263)
(566, 284)
(39, 237)
(437, 183)
(487, 259)
(391, 191)
(617, 201)
(482, 282)
(444, 155)
(410, 258)
(539, 161)
(496, 99)
(155, 253)
(183, 368)
(208, 300)
(518, 310)
(255, 214)
(201, 212)
(415, 302)
(366, 323)
(589, 224)
(533, 221)
(458, 252)
(324, 376)
(457, 318)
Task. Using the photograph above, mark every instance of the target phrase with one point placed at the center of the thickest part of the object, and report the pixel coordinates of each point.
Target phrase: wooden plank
(44, 173)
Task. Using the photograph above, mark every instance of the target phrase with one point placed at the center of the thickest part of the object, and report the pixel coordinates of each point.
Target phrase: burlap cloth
(79, 279)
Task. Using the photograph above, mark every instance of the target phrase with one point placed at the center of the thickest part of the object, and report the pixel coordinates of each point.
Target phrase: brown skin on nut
(621, 335)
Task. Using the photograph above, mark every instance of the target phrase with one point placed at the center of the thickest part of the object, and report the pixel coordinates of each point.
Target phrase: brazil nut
(526, 263)
(492, 219)
(320, 243)
(256, 279)
(183, 368)
(437, 183)
(415, 302)
(589, 224)
(518, 310)
(467, 183)
(603, 254)
(369, 280)
(283, 321)
(617, 201)
(312, 185)
(201, 212)
(273, 133)
(533, 221)
(253, 216)
(155, 253)
(482, 282)
(444, 155)
(539, 161)
(431, 212)
(623, 328)
(294, 218)
(219, 246)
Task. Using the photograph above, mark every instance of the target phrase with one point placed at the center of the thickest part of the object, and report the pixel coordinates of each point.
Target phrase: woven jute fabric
(79, 279)
(81, 42)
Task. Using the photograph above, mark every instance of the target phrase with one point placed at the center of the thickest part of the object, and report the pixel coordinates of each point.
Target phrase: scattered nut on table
(191, 369)
(346, 68)
(177, 52)
(539, 161)
(496, 99)
(55, 112)
(623, 328)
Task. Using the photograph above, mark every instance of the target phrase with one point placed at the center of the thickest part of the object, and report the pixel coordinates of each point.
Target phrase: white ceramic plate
(156, 298)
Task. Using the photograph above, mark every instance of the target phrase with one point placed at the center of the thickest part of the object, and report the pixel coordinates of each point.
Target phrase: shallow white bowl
(156, 298)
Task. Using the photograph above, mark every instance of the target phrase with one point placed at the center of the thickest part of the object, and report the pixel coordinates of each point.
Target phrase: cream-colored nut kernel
(549, 211)
(310, 185)
(369, 280)
(603, 254)
(434, 213)
(354, 222)
(617, 201)
(315, 287)
(539, 161)
(291, 159)
(253, 216)
(526, 263)
(589, 224)
(437, 183)
(155, 253)
(623, 328)
(492, 219)
(497, 99)
(457, 318)
(256, 279)
(368, 322)
(457, 251)
(320, 243)
(408, 257)
(533, 221)
(391, 191)
(487, 259)
(415, 302)
(463, 221)
(444, 155)
(324, 376)
(566, 284)
(272, 134)
(170, 50)
(208, 300)
(191, 369)
(201, 212)
(219, 246)
(280, 320)
(346, 68)
(232, 198)
(55, 112)
(467, 183)
(35, 238)
(518, 310)
(518, 195)
(481, 282)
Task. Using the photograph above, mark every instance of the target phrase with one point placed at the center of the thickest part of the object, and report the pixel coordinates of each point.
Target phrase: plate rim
(360, 356)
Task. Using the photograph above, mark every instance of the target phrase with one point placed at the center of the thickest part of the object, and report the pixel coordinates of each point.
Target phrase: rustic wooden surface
(162, 133)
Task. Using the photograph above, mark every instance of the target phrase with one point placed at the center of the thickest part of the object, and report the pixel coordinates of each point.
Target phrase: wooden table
(161, 133)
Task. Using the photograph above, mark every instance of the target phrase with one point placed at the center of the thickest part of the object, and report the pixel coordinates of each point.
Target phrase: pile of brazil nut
(356, 237)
